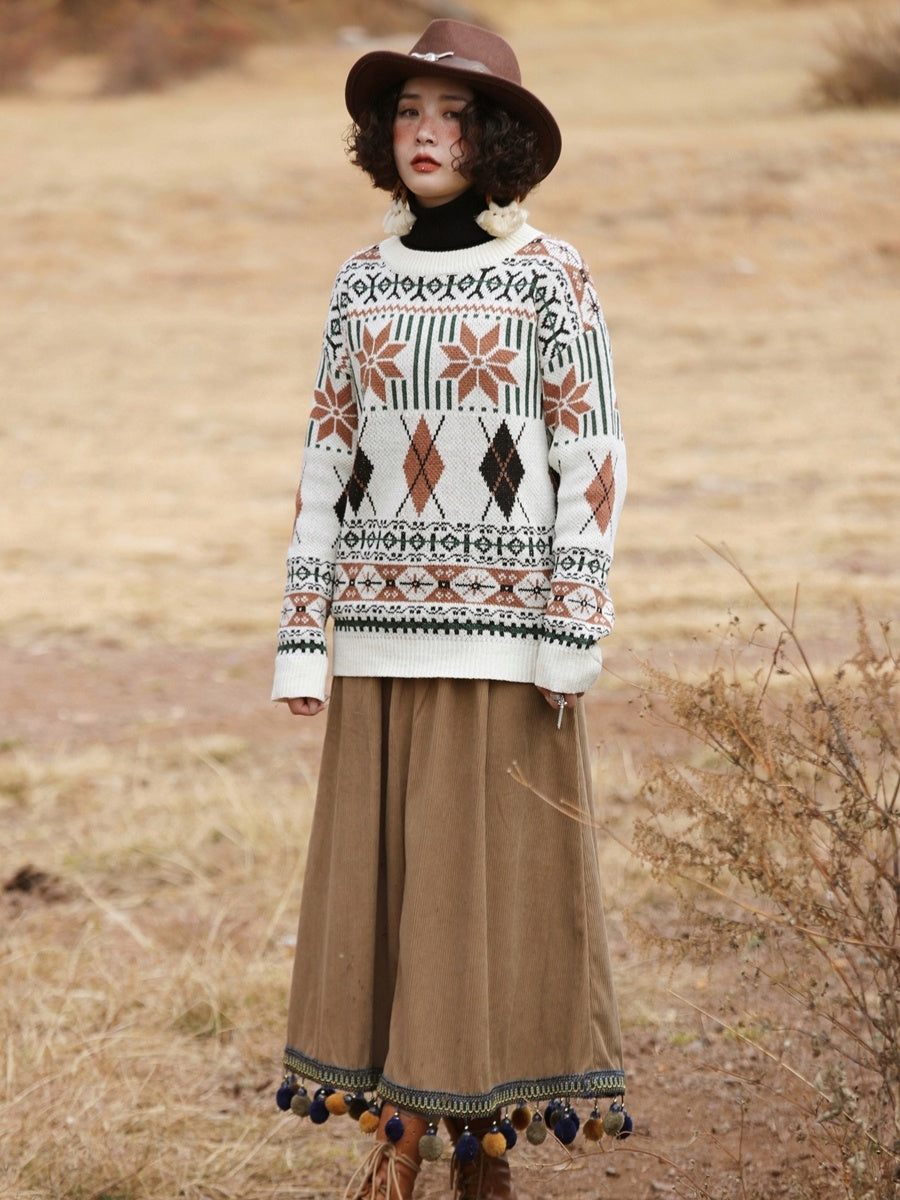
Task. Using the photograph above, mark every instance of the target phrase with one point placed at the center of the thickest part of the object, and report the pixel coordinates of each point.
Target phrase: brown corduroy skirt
(451, 953)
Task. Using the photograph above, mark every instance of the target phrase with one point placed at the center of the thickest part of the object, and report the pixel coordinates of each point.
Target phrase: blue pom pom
(318, 1113)
(573, 1116)
(394, 1128)
(509, 1132)
(467, 1148)
(565, 1130)
(284, 1096)
(553, 1112)
(627, 1127)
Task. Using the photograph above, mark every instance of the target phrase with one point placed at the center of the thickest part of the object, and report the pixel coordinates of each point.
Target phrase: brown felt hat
(480, 58)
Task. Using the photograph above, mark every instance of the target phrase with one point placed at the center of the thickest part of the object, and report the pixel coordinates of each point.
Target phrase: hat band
(466, 64)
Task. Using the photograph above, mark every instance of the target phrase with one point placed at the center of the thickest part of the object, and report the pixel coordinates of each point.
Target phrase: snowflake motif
(581, 603)
(533, 589)
(335, 412)
(376, 362)
(565, 401)
(369, 583)
(478, 363)
(476, 585)
(415, 583)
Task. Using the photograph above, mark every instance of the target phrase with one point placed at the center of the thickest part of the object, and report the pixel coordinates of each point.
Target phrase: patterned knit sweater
(463, 474)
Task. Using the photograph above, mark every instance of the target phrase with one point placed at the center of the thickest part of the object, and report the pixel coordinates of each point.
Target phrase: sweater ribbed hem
(407, 657)
(455, 262)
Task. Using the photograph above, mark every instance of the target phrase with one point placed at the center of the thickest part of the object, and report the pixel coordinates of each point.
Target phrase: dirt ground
(164, 267)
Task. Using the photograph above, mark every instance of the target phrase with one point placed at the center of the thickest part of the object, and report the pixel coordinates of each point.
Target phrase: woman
(462, 482)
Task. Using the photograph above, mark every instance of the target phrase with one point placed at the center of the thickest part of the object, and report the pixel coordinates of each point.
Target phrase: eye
(407, 111)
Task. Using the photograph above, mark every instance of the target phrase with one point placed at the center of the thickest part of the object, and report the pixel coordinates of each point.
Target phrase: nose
(425, 133)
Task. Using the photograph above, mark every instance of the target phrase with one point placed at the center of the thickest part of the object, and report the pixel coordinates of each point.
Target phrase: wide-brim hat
(477, 56)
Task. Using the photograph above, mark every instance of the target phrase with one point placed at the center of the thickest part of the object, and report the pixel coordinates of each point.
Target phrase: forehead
(436, 87)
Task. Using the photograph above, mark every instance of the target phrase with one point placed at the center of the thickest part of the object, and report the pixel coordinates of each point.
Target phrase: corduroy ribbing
(451, 950)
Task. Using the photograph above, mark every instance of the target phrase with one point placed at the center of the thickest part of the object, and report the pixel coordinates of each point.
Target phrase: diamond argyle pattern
(502, 469)
(423, 465)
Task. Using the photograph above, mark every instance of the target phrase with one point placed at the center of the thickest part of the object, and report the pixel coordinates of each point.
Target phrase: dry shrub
(781, 837)
(156, 43)
(865, 61)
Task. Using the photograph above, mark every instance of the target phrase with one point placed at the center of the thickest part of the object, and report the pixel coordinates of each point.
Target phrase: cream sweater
(463, 475)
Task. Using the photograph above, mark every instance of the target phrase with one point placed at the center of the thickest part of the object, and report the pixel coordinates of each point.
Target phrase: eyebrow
(443, 96)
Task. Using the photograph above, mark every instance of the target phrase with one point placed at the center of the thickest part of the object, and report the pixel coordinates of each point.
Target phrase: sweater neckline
(458, 261)
(450, 226)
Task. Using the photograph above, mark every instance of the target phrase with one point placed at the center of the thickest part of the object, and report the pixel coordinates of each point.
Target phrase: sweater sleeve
(301, 663)
(587, 456)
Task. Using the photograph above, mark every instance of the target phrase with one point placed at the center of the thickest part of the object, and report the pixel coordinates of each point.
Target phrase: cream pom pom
(500, 220)
(399, 218)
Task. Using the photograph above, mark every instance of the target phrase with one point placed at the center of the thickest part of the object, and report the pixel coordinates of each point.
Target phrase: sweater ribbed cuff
(562, 669)
(298, 675)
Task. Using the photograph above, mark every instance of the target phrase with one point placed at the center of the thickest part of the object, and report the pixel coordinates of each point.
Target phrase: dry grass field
(165, 262)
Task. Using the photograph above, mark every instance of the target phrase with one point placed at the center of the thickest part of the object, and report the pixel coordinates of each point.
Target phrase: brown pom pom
(521, 1117)
(593, 1129)
(368, 1122)
(336, 1104)
(494, 1144)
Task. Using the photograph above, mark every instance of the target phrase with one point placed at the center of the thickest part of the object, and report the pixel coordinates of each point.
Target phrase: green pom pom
(614, 1120)
(537, 1130)
(300, 1103)
(431, 1146)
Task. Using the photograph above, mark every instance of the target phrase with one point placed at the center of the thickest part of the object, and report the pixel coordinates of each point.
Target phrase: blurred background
(176, 200)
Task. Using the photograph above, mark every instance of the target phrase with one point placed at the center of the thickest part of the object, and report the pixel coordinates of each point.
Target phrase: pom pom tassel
(431, 1145)
(467, 1147)
(501, 220)
(614, 1120)
(521, 1117)
(494, 1142)
(369, 1119)
(537, 1130)
(285, 1093)
(593, 1126)
(394, 1128)
(399, 218)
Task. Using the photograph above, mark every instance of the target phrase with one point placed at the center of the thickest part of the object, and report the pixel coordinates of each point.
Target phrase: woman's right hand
(306, 706)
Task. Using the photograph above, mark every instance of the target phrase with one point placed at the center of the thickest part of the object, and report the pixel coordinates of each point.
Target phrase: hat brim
(379, 70)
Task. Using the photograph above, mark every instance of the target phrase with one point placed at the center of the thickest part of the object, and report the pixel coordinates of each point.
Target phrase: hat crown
(461, 45)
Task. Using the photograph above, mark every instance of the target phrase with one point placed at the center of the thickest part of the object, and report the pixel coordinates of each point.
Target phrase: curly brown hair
(502, 160)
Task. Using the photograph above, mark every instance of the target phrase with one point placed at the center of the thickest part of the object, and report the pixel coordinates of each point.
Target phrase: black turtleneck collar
(448, 226)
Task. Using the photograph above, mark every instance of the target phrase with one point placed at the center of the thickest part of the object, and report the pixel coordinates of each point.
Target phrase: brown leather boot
(389, 1171)
(484, 1179)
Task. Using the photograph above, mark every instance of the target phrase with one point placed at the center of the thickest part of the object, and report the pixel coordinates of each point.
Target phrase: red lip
(425, 159)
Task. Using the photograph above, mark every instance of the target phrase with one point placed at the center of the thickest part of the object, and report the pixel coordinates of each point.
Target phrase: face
(427, 140)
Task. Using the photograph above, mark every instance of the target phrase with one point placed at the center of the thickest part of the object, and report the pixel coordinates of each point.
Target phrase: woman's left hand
(552, 697)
